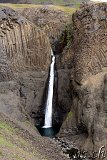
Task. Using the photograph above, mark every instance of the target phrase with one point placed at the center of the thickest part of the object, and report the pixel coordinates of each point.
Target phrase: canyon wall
(24, 60)
(89, 41)
(89, 79)
(81, 81)
(53, 22)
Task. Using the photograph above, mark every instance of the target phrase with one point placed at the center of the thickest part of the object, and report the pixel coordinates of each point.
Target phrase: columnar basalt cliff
(56, 24)
(81, 77)
(24, 44)
(52, 21)
(24, 59)
(89, 41)
(88, 80)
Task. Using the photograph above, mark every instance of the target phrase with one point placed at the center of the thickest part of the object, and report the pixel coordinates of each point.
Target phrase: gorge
(73, 79)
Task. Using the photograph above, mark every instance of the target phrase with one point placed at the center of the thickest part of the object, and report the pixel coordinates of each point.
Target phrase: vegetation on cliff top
(18, 6)
(55, 2)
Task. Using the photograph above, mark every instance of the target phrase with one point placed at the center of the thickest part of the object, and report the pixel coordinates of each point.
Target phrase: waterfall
(49, 102)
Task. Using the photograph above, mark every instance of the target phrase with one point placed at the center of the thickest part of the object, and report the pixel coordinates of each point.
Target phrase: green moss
(15, 6)
(65, 9)
(70, 114)
(67, 34)
(5, 142)
(1, 154)
(17, 157)
(5, 126)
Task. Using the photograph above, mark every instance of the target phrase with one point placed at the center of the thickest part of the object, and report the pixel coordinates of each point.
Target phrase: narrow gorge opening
(58, 109)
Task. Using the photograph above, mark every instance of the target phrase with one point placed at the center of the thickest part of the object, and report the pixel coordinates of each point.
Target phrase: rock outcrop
(88, 80)
(53, 22)
(81, 69)
(89, 41)
(24, 60)
(26, 47)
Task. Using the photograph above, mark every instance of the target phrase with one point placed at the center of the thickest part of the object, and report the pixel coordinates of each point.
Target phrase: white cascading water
(48, 112)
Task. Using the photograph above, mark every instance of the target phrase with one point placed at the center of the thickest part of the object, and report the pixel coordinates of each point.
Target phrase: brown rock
(87, 126)
(52, 21)
(90, 109)
(23, 45)
(24, 59)
(89, 40)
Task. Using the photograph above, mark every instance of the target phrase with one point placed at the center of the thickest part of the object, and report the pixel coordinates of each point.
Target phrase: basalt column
(90, 75)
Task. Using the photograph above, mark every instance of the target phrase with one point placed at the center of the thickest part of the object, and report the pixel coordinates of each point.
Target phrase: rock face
(53, 22)
(90, 110)
(24, 46)
(89, 43)
(88, 80)
(24, 60)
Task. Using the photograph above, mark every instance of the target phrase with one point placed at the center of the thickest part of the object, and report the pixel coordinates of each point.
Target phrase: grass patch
(58, 2)
(10, 146)
(70, 114)
(18, 6)
(17, 157)
(5, 126)
(1, 154)
(5, 142)
(65, 9)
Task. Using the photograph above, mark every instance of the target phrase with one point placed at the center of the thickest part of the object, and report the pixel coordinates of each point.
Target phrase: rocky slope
(21, 141)
(87, 124)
